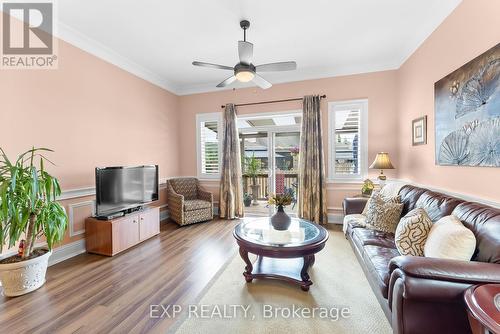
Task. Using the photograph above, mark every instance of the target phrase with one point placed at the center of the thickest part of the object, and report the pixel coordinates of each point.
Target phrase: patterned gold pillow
(394, 199)
(412, 232)
(383, 216)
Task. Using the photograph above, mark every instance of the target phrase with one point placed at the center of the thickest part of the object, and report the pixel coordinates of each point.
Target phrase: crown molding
(412, 43)
(85, 43)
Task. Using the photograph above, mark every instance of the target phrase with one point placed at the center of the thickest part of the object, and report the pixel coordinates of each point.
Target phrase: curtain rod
(274, 101)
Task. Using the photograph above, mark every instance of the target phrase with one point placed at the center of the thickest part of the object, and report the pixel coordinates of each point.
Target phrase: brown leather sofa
(419, 294)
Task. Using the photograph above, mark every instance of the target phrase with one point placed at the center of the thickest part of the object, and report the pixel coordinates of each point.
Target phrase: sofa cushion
(484, 222)
(365, 236)
(196, 204)
(409, 197)
(377, 261)
(437, 205)
(354, 220)
(412, 232)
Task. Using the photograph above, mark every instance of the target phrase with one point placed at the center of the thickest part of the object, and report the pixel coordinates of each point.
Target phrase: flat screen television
(122, 189)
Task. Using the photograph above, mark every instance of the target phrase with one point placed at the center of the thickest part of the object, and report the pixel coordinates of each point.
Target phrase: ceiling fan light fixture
(244, 76)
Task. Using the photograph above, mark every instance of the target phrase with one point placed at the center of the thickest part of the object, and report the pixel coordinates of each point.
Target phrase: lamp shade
(382, 161)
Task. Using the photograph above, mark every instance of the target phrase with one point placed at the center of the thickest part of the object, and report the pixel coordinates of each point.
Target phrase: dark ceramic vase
(280, 220)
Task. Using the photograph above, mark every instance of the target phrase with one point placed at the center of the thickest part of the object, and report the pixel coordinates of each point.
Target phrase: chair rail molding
(466, 197)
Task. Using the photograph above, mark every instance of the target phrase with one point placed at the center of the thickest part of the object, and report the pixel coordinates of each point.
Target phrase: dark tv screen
(123, 188)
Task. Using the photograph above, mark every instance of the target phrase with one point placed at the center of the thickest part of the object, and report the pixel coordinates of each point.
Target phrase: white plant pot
(20, 278)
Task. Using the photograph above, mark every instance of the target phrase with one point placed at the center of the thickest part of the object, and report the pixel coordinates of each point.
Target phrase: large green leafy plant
(28, 207)
(252, 166)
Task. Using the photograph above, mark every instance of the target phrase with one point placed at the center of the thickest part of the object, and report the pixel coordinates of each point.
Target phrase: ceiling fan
(245, 71)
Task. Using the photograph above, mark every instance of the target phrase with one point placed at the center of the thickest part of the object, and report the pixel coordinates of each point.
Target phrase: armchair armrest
(205, 195)
(426, 294)
(354, 205)
(447, 270)
(175, 204)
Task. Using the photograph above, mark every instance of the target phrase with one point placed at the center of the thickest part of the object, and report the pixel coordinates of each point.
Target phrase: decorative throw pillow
(390, 199)
(383, 216)
(450, 239)
(412, 231)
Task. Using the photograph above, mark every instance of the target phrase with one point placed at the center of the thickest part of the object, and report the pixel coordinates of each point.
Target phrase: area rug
(339, 301)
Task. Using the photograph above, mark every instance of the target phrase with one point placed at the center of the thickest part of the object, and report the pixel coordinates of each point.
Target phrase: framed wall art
(467, 113)
(419, 131)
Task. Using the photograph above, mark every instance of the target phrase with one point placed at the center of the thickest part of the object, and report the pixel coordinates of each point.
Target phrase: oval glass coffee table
(285, 255)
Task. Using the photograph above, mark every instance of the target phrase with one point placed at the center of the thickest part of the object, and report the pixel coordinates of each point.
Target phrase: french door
(275, 151)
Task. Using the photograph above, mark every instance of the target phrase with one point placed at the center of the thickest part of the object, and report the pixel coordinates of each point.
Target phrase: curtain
(231, 189)
(312, 185)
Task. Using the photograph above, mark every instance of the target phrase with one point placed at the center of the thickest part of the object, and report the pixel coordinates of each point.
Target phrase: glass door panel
(285, 167)
(254, 147)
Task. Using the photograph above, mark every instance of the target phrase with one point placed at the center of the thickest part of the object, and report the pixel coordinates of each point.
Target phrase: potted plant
(247, 199)
(28, 211)
(367, 188)
(280, 220)
(252, 167)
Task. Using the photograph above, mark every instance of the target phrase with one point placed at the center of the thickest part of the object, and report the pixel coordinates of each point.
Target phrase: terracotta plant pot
(20, 278)
(280, 220)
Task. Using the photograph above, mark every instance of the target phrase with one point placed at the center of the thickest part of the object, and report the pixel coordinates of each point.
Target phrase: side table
(483, 308)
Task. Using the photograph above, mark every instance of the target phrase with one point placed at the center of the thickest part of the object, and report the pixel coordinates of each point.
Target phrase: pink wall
(468, 32)
(379, 88)
(92, 114)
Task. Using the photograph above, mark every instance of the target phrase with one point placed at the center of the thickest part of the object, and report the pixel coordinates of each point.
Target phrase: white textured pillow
(450, 239)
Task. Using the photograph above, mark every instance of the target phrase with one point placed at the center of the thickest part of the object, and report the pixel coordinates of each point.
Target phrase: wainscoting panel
(77, 214)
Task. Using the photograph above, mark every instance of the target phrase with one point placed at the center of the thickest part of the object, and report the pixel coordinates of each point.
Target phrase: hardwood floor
(97, 294)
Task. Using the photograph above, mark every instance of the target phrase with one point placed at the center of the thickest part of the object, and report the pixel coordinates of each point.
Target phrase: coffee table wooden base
(294, 270)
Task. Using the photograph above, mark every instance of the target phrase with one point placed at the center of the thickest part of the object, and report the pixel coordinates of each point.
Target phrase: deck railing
(291, 180)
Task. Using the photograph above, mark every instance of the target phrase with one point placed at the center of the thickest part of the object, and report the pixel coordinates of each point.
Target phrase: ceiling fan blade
(245, 51)
(226, 82)
(280, 66)
(261, 82)
(221, 67)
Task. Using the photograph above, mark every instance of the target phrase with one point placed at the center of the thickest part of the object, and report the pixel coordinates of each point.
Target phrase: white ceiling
(157, 40)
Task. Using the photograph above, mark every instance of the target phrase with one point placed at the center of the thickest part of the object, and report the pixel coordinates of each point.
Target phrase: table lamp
(382, 162)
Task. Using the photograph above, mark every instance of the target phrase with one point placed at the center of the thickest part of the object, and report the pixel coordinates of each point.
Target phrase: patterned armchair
(187, 202)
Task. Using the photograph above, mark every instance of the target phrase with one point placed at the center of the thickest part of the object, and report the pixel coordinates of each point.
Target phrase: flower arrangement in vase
(280, 220)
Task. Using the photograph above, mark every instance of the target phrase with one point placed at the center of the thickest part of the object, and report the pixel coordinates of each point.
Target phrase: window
(208, 133)
(348, 140)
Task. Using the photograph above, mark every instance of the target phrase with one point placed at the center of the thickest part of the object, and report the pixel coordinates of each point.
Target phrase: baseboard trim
(335, 218)
(67, 251)
(163, 215)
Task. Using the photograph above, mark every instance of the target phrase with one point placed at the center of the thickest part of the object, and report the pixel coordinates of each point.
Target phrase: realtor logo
(27, 35)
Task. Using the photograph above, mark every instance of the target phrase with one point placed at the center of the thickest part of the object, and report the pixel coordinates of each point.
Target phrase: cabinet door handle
(135, 221)
(142, 218)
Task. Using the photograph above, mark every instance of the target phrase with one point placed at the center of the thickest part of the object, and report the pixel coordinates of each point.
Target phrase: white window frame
(208, 117)
(334, 106)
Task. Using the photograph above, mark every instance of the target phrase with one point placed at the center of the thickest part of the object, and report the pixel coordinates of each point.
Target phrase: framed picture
(467, 113)
(419, 133)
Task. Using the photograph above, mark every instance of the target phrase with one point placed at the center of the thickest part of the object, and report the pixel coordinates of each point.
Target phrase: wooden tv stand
(110, 237)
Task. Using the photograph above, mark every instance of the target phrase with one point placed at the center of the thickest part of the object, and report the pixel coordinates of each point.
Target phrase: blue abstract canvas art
(467, 113)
